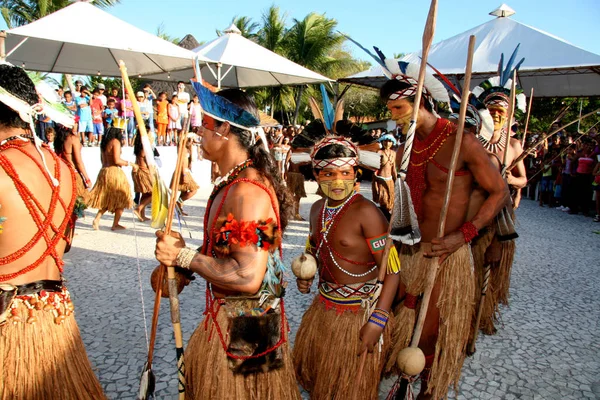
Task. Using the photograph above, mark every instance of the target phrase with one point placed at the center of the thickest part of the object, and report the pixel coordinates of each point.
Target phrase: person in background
(174, 121)
(162, 118)
(102, 96)
(97, 110)
(60, 93)
(78, 86)
(582, 182)
(150, 96)
(596, 188)
(127, 113)
(183, 100)
(195, 114)
(84, 112)
(109, 113)
(50, 136)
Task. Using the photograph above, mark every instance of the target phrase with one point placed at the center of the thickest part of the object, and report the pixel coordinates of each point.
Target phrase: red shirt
(97, 108)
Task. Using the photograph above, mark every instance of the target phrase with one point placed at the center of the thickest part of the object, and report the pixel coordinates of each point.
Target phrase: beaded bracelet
(469, 231)
(185, 257)
(379, 317)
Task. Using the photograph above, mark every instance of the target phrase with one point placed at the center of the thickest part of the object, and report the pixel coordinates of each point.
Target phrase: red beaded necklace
(42, 218)
(422, 153)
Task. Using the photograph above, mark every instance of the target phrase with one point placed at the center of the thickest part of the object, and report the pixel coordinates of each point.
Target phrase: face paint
(337, 189)
(404, 121)
(499, 116)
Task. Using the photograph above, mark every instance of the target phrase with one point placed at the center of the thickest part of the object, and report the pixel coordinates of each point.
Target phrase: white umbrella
(243, 63)
(53, 44)
(554, 67)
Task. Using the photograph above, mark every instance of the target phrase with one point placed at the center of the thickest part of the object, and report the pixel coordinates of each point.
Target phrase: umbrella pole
(219, 76)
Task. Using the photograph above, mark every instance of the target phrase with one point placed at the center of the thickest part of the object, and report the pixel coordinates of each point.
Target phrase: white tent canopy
(51, 44)
(243, 63)
(553, 67)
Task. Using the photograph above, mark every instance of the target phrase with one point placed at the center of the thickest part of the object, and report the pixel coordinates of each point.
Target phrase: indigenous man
(496, 244)
(385, 176)
(111, 191)
(447, 325)
(241, 350)
(347, 236)
(42, 355)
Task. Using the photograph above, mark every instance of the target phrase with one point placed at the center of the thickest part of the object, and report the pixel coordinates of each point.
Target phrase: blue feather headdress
(433, 90)
(497, 88)
(222, 109)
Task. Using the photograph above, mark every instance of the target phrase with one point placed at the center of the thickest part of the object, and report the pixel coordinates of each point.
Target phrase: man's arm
(245, 267)
(490, 180)
(78, 161)
(304, 285)
(517, 177)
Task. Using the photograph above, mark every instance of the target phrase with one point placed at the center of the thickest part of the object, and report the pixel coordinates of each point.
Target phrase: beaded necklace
(325, 229)
(423, 152)
(494, 147)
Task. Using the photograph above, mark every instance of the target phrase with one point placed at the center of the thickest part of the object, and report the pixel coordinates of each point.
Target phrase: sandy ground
(547, 346)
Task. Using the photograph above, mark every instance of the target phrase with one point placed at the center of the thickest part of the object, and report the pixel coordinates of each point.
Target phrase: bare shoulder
(369, 217)
(471, 148)
(516, 145)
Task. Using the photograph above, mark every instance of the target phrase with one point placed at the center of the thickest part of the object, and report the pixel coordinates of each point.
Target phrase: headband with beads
(334, 162)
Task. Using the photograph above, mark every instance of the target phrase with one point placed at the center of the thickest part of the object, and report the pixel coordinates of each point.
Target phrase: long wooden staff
(511, 114)
(531, 148)
(487, 269)
(173, 295)
(527, 118)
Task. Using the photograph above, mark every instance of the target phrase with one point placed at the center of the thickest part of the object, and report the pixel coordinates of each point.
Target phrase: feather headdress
(221, 109)
(496, 90)
(477, 116)
(433, 90)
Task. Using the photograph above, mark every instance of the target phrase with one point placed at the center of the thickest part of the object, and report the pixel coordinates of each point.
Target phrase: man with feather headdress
(446, 329)
(496, 244)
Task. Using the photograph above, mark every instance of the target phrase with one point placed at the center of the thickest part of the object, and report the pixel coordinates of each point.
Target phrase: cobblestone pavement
(547, 346)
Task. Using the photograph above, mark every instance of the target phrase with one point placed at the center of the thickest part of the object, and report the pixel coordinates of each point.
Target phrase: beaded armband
(469, 231)
(185, 257)
(379, 317)
(265, 235)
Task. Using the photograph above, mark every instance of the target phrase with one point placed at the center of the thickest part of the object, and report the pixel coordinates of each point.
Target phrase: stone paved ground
(547, 346)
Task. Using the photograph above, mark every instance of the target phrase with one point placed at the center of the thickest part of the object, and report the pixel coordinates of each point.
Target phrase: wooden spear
(172, 283)
(531, 148)
(527, 119)
(511, 114)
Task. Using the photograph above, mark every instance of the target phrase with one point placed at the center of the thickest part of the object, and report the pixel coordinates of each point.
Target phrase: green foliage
(248, 28)
(162, 33)
(364, 104)
(21, 12)
(545, 109)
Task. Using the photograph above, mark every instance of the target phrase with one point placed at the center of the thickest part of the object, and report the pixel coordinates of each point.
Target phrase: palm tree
(272, 32)
(22, 12)
(246, 26)
(312, 43)
(161, 32)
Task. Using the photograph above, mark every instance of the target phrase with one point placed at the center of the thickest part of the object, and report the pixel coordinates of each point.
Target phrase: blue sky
(394, 26)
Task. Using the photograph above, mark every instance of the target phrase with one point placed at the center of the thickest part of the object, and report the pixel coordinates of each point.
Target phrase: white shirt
(183, 99)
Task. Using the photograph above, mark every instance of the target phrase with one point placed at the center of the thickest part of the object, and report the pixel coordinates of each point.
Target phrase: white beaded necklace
(325, 232)
(494, 147)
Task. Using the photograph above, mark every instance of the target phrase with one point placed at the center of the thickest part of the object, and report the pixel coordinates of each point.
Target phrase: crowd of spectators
(564, 173)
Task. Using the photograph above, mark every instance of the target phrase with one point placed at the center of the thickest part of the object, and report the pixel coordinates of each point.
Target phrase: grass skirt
(383, 193)
(490, 310)
(111, 191)
(142, 181)
(502, 277)
(44, 360)
(455, 303)
(81, 190)
(208, 375)
(325, 353)
(186, 183)
(295, 184)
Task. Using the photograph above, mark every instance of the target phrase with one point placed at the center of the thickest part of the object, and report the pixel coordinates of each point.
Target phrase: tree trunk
(298, 101)
(69, 80)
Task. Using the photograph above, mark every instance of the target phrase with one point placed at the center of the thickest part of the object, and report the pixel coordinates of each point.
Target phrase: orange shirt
(162, 117)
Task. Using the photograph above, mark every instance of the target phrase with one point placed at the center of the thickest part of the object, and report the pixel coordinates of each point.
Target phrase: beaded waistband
(41, 296)
(351, 295)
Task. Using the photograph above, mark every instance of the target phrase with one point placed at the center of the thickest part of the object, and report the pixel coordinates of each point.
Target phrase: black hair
(333, 151)
(110, 134)
(62, 133)
(67, 91)
(137, 140)
(16, 81)
(262, 160)
(178, 82)
(394, 85)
